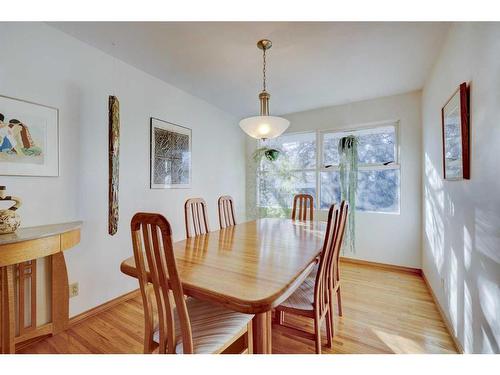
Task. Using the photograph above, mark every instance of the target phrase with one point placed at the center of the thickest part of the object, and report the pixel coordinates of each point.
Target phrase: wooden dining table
(251, 267)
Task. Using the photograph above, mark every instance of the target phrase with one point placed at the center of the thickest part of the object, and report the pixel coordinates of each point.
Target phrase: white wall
(385, 238)
(461, 237)
(46, 66)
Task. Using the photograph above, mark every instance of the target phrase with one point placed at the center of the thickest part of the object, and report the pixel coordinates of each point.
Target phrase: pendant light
(264, 126)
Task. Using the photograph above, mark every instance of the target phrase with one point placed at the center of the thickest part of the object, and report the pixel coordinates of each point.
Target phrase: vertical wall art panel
(114, 150)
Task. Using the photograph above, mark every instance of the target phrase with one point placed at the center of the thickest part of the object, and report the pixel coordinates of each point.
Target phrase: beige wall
(461, 228)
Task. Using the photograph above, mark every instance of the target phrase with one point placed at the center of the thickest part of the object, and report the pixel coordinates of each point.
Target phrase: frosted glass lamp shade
(264, 127)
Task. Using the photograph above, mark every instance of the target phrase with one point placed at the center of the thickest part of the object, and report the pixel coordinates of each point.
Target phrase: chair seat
(213, 327)
(314, 271)
(302, 299)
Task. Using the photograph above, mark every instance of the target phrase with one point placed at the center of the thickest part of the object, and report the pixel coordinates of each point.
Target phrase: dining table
(250, 267)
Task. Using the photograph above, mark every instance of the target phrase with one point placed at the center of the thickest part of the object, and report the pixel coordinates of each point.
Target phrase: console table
(18, 254)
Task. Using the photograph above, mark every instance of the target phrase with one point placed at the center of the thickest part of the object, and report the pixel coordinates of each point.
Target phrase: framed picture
(170, 155)
(456, 146)
(29, 138)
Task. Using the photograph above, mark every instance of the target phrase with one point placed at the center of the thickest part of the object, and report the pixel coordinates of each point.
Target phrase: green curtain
(348, 175)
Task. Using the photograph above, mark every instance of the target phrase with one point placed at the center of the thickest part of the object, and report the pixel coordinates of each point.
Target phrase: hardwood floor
(385, 311)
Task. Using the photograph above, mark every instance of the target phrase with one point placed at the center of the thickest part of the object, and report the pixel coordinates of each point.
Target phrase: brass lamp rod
(264, 103)
(264, 96)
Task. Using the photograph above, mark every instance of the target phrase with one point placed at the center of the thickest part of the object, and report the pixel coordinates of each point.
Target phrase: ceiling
(311, 64)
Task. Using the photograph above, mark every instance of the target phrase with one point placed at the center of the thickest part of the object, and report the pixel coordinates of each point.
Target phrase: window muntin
(298, 152)
(378, 175)
(375, 145)
(294, 172)
(378, 190)
(278, 190)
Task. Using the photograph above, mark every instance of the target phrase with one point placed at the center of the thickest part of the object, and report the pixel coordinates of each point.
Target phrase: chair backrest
(153, 251)
(195, 213)
(226, 211)
(333, 266)
(321, 295)
(302, 204)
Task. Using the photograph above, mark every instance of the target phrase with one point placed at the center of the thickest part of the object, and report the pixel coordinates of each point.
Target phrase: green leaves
(270, 154)
(348, 176)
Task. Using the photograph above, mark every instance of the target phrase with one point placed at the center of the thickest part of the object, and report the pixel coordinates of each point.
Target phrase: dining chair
(302, 204)
(193, 325)
(226, 211)
(313, 297)
(196, 217)
(335, 279)
(334, 274)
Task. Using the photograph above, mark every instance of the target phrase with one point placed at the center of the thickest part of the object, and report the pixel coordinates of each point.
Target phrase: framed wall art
(29, 138)
(170, 155)
(456, 142)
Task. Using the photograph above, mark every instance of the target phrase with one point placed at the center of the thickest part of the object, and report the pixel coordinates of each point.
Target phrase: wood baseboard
(37, 334)
(105, 306)
(458, 345)
(386, 266)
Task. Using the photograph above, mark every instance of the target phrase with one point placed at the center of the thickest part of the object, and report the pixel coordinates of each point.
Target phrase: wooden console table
(18, 254)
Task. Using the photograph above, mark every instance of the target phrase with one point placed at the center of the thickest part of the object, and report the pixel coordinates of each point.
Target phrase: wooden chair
(195, 212)
(313, 298)
(226, 212)
(334, 275)
(304, 203)
(335, 280)
(192, 326)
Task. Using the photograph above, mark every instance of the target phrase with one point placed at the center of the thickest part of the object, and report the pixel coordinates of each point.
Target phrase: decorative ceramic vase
(9, 219)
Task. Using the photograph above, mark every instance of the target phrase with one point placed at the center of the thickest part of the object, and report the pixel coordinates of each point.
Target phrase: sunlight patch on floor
(399, 344)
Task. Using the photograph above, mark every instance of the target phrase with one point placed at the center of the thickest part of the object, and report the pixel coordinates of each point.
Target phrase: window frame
(320, 165)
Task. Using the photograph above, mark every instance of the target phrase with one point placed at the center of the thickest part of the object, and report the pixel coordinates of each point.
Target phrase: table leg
(7, 319)
(269, 319)
(60, 293)
(262, 343)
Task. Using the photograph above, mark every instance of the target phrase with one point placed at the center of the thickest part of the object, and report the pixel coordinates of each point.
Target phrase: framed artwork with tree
(170, 155)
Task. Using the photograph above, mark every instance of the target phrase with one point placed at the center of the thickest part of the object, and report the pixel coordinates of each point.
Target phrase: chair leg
(332, 311)
(329, 329)
(149, 344)
(281, 317)
(249, 337)
(339, 300)
(317, 334)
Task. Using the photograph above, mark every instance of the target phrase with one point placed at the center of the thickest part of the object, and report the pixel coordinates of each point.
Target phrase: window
(305, 168)
(293, 173)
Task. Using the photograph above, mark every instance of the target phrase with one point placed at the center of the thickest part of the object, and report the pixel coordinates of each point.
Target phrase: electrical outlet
(73, 290)
(443, 284)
